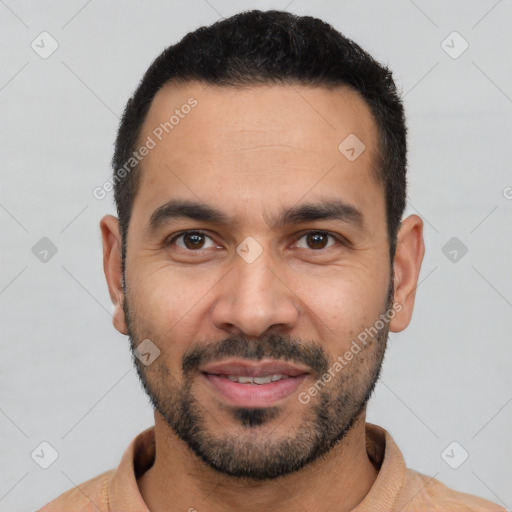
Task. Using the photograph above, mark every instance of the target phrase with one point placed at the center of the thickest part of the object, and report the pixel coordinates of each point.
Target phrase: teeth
(267, 379)
(263, 380)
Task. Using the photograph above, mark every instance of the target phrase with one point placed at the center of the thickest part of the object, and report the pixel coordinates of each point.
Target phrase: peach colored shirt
(396, 489)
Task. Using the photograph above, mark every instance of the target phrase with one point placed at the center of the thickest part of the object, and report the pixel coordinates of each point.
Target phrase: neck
(338, 481)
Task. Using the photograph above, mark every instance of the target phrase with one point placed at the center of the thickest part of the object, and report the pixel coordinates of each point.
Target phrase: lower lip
(253, 395)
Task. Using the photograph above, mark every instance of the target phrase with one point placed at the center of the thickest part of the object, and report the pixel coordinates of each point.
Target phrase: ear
(111, 237)
(407, 263)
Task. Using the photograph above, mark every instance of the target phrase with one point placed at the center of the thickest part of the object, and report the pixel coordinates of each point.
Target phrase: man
(258, 263)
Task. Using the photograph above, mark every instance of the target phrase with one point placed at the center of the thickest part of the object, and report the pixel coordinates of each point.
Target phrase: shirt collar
(383, 452)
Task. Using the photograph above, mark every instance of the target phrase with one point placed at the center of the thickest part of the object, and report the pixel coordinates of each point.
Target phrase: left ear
(112, 245)
(409, 253)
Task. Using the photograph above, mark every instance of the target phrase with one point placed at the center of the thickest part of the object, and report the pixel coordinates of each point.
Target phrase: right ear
(111, 237)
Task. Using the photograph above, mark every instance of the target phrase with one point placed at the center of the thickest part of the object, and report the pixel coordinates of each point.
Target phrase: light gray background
(65, 373)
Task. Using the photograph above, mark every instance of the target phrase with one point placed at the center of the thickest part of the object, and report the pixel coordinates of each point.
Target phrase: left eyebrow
(328, 209)
(185, 209)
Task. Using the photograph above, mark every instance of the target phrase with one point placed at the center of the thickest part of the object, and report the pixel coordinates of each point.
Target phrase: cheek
(169, 301)
(343, 304)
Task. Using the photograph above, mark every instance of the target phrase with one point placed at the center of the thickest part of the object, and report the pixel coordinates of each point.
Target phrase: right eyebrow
(321, 209)
(185, 209)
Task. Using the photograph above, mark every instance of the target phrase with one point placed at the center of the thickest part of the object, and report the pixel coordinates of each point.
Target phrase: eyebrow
(328, 209)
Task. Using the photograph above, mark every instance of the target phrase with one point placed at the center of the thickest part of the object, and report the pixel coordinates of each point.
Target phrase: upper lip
(254, 368)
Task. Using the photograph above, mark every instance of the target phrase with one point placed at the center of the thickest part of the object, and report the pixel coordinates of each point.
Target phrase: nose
(254, 298)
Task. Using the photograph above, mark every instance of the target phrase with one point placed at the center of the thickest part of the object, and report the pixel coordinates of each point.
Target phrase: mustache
(271, 346)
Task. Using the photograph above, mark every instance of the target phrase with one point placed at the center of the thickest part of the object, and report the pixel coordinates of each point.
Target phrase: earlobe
(111, 238)
(409, 254)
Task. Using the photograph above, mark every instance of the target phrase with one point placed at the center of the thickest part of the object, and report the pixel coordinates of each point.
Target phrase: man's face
(257, 294)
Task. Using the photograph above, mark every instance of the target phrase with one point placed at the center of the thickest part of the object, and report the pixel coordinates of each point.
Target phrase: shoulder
(90, 496)
(421, 492)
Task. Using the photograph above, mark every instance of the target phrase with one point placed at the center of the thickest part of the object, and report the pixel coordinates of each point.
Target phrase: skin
(251, 152)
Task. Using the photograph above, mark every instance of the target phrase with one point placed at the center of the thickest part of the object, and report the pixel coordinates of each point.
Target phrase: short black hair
(264, 48)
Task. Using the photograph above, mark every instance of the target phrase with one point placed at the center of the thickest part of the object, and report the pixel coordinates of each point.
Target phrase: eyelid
(339, 238)
(170, 240)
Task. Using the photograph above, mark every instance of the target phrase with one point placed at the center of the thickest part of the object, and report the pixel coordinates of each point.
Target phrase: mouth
(243, 383)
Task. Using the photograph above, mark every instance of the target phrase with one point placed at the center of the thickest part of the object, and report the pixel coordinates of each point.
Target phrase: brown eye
(316, 240)
(193, 240)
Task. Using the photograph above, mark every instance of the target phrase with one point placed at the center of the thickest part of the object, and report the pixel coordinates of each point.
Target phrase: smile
(256, 380)
(244, 383)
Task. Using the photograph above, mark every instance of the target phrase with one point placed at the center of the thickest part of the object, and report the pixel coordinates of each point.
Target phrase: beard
(257, 452)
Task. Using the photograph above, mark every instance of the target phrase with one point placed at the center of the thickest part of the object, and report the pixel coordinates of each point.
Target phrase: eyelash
(339, 239)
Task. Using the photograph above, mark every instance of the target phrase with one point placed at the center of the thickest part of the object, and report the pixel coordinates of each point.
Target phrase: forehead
(259, 144)
(299, 114)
